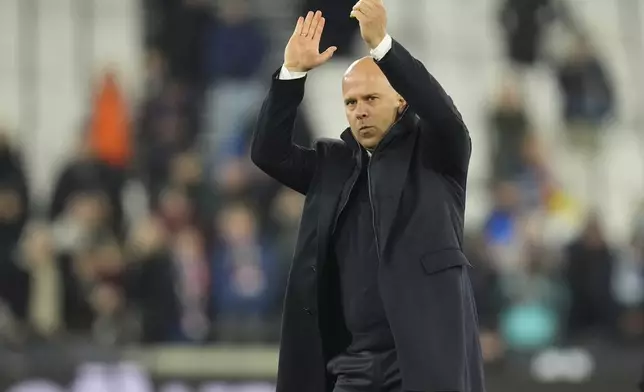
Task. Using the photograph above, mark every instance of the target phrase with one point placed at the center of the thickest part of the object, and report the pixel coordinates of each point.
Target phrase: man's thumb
(327, 54)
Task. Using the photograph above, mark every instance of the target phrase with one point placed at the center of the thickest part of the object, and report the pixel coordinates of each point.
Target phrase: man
(379, 297)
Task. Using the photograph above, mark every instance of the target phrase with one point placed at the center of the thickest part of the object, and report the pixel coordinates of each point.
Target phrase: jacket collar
(405, 123)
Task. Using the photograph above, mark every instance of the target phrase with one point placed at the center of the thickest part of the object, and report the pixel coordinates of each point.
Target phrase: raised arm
(409, 77)
(272, 147)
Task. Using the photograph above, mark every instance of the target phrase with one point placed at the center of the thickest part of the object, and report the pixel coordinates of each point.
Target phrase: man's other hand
(302, 52)
(372, 17)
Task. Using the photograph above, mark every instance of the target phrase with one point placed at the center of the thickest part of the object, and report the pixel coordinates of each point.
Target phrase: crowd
(156, 231)
(546, 272)
(205, 256)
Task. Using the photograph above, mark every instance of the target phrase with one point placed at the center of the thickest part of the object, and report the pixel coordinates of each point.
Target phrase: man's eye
(372, 98)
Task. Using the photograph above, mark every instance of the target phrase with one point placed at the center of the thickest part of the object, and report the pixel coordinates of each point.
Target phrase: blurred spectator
(166, 127)
(191, 284)
(535, 180)
(244, 271)
(627, 287)
(535, 298)
(235, 49)
(637, 224)
(113, 325)
(176, 211)
(85, 218)
(186, 173)
(107, 261)
(45, 290)
(509, 126)
(94, 301)
(14, 197)
(235, 43)
(14, 212)
(86, 174)
(336, 13)
(488, 296)
(502, 229)
(156, 73)
(587, 95)
(233, 178)
(588, 270)
(176, 27)
(524, 23)
(151, 282)
(109, 131)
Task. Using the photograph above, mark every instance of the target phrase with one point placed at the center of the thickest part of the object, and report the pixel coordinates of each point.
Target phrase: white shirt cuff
(285, 74)
(382, 49)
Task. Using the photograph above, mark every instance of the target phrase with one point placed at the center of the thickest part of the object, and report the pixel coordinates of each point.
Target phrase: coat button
(313, 268)
(308, 311)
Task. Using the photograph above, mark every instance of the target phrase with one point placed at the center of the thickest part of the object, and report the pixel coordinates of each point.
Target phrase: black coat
(417, 178)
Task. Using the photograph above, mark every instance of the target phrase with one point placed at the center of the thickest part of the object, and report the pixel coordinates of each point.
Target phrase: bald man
(379, 297)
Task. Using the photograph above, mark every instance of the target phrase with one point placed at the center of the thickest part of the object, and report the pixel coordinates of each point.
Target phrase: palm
(302, 52)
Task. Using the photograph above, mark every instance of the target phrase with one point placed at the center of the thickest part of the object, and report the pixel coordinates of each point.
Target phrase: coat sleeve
(272, 147)
(444, 128)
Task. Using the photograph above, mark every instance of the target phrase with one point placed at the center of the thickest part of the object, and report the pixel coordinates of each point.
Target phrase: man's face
(371, 104)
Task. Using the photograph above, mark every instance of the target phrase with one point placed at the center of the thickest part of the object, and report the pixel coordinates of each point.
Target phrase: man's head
(371, 104)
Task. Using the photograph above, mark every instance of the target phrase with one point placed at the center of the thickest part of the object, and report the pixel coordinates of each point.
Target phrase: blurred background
(141, 251)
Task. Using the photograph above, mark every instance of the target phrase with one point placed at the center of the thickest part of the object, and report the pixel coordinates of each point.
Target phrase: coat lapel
(396, 158)
(334, 179)
(392, 187)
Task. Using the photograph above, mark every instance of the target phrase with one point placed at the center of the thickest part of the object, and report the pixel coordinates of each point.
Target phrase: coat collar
(405, 123)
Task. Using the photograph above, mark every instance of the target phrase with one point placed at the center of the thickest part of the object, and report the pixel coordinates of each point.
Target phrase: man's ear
(402, 105)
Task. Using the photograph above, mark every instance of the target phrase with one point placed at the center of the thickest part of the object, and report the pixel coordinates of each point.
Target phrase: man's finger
(298, 26)
(317, 34)
(327, 54)
(307, 24)
(358, 14)
(364, 6)
(361, 9)
(375, 5)
(314, 25)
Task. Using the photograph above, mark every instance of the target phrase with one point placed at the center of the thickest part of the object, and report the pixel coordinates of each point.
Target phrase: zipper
(373, 208)
(373, 211)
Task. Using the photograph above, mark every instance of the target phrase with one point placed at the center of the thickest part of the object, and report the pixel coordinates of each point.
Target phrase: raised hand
(372, 17)
(302, 52)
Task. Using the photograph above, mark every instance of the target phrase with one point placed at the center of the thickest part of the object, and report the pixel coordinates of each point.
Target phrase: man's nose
(361, 111)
